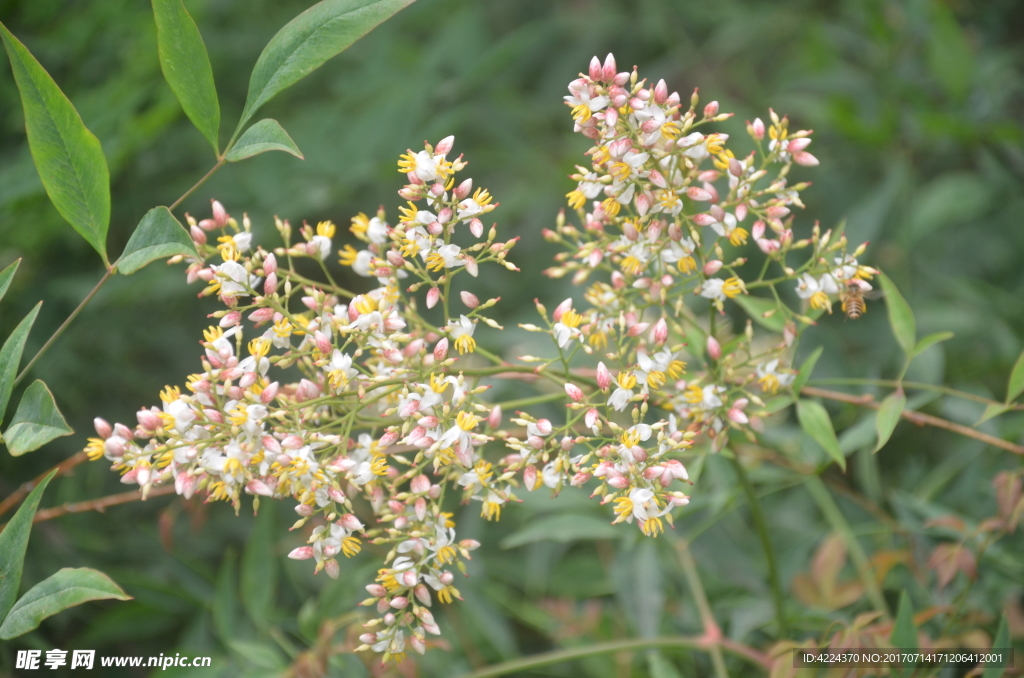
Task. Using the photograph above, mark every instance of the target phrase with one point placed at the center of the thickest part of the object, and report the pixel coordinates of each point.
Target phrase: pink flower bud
(469, 299)
(561, 309)
(494, 418)
(738, 416)
(292, 442)
(703, 219)
(322, 342)
(399, 602)
(270, 284)
(304, 510)
(444, 146)
(591, 418)
(220, 215)
(332, 568)
(712, 267)
(148, 420)
(768, 246)
(122, 431)
(695, 193)
(433, 296)
(660, 92)
(777, 211)
(618, 280)
(230, 319)
(441, 349)
(609, 67)
(595, 71)
(185, 484)
(544, 427)
(420, 484)
(798, 144)
(269, 393)
(660, 332)
(207, 224)
(629, 230)
(643, 204)
(638, 329)
(256, 486)
(805, 158)
(574, 392)
(714, 348)
(604, 377)
(618, 482)
(735, 167)
(350, 522)
(103, 429)
(757, 128)
(530, 477)
(301, 553)
(198, 237)
(711, 110)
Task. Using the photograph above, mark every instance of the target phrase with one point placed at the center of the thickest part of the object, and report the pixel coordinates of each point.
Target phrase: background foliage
(917, 108)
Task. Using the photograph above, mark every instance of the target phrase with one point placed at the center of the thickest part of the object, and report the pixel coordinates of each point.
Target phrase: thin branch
(62, 468)
(914, 386)
(220, 163)
(712, 632)
(101, 504)
(559, 656)
(918, 418)
(64, 325)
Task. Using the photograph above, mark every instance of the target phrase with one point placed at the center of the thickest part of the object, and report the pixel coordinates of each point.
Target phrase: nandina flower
(584, 100)
(461, 332)
(770, 378)
(718, 289)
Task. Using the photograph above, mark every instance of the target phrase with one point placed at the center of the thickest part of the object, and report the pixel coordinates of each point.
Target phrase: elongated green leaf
(159, 235)
(993, 410)
(756, 307)
(307, 41)
(225, 596)
(10, 357)
(13, 541)
(904, 631)
(186, 67)
(564, 528)
(931, 340)
(1016, 384)
(888, 416)
(901, 317)
(68, 587)
(266, 135)
(806, 369)
(815, 422)
(36, 422)
(67, 155)
(259, 567)
(6, 276)
(1001, 642)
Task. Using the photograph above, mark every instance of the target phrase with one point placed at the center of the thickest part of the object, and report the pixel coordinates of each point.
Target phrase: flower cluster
(388, 403)
(663, 245)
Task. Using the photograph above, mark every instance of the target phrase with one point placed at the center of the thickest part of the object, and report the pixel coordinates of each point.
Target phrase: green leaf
(186, 67)
(68, 587)
(900, 316)
(1002, 642)
(993, 410)
(929, 341)
(1016, 384)
(815, 422)
(563, 528)
(36, 422)
(307, 41)
(10, 357)
(904, 631)
(888, 416)
(158, 235)
(806, 369)
(756, 307)
(259, 567)
(6, 276)
(68, 156)
(266, 135)
(13, 541)
(225, 596)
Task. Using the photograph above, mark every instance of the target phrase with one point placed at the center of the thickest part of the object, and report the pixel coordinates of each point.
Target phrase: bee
(852, 298)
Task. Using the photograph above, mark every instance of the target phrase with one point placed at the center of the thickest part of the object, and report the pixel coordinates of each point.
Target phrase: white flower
(233, 279)
(323, 246)
(242, 241)
(712, 289)
(620, 398)
(807, 286)
(377, 231)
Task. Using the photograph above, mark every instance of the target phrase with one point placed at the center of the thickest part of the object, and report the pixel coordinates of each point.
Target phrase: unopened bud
(469, 299)
(714, 348)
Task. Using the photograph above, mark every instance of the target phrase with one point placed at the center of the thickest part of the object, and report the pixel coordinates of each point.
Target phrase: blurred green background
(918, 113)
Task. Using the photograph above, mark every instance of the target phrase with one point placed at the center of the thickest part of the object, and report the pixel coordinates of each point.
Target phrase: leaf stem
(220, 163)
(64, 325)
(769, 553)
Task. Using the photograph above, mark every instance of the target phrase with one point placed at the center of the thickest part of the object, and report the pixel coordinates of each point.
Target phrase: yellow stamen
(350, 546)
(769, 383)
(632, 265)
(656, 379)
(170, 394)
(820, 301)
(467, 421)
(571, 318)
(686, 265)
(694, 394)
(611, 207)
(576, 199)
(348, 255)
(445, 555)
(435, 262)
(326, 229)
(94, 450)
(626, 380)
(360, 225)
(738, 237)
(732, 287)
(676, 368)
(465, 344)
